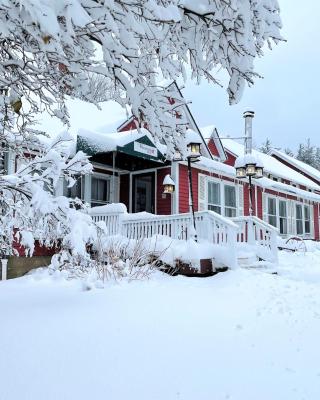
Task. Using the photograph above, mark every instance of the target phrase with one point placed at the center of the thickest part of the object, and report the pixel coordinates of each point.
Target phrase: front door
(143, 193)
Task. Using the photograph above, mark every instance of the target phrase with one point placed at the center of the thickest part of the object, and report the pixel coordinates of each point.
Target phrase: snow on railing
(111, 214)
(212, 227)
(259, 235)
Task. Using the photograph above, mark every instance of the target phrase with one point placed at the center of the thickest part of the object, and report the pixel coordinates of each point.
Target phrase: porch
(228, 242)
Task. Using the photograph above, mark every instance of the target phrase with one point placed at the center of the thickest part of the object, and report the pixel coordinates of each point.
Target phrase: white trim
(175, 169)
(291, 207)
(145, 171)
(109, 168)
(222, 184)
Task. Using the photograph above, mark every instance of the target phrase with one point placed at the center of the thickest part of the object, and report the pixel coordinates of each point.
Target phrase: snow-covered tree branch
(49, 48)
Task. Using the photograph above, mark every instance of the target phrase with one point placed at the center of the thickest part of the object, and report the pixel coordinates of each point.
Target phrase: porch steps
(251, 261)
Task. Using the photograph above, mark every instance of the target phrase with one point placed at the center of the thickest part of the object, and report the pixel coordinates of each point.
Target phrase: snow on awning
(136, 143)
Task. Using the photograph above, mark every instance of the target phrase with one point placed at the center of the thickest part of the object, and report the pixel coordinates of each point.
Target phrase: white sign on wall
(145, 149)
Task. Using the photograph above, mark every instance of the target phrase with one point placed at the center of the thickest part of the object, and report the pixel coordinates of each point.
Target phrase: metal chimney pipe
(248, 117)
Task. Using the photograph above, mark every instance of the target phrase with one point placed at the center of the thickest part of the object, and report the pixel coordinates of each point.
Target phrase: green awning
(141, 147)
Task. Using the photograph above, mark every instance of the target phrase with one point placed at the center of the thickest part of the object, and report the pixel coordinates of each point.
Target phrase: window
(222, 198)
(283, 217)
(307, 224)
(214, 197)
(100, 191)
(299, 219)
(272, 211)
(230, 201)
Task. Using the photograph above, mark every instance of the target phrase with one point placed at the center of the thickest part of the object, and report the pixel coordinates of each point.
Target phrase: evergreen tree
(307, 153)
(289, 152)
(317, 158)
(266, 146)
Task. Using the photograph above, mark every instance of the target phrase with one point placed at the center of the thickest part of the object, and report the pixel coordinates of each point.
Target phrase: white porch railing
(226, 233)
(258, 234)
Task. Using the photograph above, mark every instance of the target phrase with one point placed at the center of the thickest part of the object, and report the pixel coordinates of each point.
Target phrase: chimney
(248, 117)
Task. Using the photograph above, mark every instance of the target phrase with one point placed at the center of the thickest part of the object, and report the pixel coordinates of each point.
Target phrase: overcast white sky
(286, 101)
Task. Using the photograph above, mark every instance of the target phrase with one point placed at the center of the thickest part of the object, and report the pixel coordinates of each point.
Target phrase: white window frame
(276, 215)
(277, 200)
(305, 220)
(97, 175)
(222, 204)
(286, 218)
(291, 228)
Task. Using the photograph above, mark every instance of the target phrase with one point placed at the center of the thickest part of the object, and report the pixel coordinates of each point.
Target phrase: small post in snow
(4, 265)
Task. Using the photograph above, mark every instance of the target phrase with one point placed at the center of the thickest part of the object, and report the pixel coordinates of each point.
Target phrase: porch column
(87, 188)
(175, 194)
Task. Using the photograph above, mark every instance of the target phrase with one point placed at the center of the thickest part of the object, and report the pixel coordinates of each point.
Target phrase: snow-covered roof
(271, 165)
(307, 169)
(266, 183)
(107, 142)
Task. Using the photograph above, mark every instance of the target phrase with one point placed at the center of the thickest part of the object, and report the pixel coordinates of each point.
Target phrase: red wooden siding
(246, 201)
(231, 159)
(183, 189)
(316, 221)
(259, 203)
(163, 200)
(213, 148)
(130, 125)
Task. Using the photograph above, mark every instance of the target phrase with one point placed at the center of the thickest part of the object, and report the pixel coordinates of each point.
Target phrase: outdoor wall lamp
(169, 185)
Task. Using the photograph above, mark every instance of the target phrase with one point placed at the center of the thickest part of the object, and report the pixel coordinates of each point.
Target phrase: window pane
(282, 208)
(100, 190)
(230, 212)
(306, 212)
(216, 209)
(272, 207)
(283, 226)
(214, 193)
(298, 211)
(299, 227)
(272, 220)
(230, 196)
(307, 226)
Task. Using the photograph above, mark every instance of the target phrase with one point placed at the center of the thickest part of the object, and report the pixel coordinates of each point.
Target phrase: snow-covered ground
(240, 335)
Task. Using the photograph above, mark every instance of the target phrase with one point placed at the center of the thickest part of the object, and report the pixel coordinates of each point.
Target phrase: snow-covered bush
(112, 258)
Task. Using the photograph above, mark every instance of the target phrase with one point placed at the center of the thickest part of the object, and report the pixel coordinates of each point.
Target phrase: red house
(129, 167)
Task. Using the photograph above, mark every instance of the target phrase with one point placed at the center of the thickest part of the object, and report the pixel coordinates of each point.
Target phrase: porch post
(87, 188)
(175, 194)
